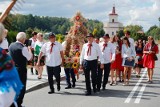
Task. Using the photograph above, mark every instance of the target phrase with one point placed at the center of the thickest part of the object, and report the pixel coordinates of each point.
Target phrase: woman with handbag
(150, 50)
(128, 55)
(139, 54)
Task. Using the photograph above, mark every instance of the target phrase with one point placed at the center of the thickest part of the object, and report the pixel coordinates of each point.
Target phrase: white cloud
(3, 5)
(142, 12)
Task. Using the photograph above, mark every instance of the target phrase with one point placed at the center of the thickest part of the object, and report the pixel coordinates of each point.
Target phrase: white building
(113, 26)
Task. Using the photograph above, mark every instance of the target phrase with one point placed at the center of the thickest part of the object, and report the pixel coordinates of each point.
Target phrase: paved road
(139, 93)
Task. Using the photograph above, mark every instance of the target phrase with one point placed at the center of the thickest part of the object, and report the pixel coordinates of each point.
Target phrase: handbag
(139, 58)
(129, 63)
(155, 57)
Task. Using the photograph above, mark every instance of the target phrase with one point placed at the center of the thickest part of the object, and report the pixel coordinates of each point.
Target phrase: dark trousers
(105, 77)
(23, 77)
(69, 72)
(90, 66)
(56, 72)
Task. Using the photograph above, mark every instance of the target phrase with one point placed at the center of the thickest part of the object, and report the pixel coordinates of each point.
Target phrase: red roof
(113, 11)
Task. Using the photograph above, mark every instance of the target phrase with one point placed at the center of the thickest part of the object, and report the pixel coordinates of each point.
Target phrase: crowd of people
(100, 59)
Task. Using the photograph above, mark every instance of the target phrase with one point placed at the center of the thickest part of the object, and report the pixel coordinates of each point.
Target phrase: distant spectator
(101, 39)
(96, 40)
(139, 54)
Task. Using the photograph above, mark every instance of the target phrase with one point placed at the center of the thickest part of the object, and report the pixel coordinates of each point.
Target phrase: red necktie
(89, 49)
(51, 47)
(104, 45)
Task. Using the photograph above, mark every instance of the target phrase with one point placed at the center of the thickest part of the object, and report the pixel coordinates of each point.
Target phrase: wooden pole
(6, 12)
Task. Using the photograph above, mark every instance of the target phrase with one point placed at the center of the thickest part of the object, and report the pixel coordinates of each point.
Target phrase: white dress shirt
(95, 53)
(25, 52)
(108, 53)
(4, 44)
(127, 52)
(53, 59)
(32, 43)
(131, 40)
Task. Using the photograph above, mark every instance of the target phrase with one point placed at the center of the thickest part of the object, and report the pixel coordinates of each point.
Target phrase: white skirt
(7, 98)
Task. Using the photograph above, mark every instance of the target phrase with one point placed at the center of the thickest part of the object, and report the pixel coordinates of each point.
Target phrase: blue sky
(140, 12)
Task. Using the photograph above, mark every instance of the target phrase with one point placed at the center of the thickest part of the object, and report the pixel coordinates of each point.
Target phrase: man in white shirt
(20, 54)
(108, 53)
(89, 54)
(53, 51)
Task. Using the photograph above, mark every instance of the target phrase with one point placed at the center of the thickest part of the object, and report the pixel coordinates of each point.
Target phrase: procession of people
(112, 57)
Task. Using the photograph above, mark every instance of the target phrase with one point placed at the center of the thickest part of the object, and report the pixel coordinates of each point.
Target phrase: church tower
(113, 26)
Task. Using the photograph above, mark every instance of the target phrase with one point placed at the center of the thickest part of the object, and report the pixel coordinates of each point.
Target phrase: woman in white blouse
(128, 59)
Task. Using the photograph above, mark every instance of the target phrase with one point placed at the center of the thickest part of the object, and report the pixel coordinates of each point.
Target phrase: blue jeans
(69, 72)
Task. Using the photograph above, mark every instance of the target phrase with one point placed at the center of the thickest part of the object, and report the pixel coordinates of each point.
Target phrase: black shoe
(36, 72)
(104, 88)
(39, 77)
(98, 89)
(73, 85)
(51, 91)
(111, 83)
(58, 88)
(68, 87)
(32, 73)
(88, 93)
(95, 91)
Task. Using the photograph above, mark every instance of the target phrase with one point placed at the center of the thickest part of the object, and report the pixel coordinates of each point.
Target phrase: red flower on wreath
(77, 18)
(69, 59)
(75, 61)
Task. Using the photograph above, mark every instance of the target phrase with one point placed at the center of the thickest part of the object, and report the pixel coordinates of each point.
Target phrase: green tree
(134, 29)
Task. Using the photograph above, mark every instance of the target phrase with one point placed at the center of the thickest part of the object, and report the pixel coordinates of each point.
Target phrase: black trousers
(105, 77)
(69, 72)
(90, 66)
(56, 72)
(22, 71)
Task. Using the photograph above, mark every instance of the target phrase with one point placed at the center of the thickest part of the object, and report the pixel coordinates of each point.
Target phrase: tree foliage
(154, 31)
(136, 31)
(29, 23)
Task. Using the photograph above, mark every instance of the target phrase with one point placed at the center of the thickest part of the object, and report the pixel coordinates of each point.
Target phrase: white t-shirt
(53, 59)
(33, 42)
(4, 44)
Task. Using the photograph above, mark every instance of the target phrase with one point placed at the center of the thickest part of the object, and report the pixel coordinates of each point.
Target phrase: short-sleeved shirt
(37, 47)
(32, 43)
(4, 44)
(53, 59)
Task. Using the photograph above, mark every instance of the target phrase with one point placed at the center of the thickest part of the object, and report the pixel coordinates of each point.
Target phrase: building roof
(113, 11)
